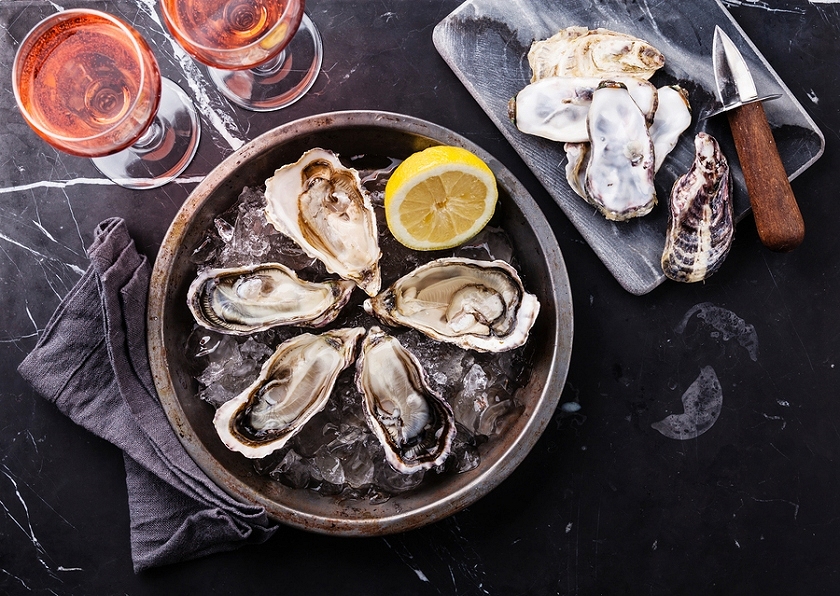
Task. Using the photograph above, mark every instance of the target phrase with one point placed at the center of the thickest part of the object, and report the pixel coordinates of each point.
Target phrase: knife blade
(777, 216)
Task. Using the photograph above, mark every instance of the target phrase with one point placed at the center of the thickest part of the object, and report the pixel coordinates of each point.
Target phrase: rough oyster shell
(478, 305)
(323, 207)
(243, 300)
(619, 173)
(700, 219)
(294, 384)
(414, 424)
(579, 52)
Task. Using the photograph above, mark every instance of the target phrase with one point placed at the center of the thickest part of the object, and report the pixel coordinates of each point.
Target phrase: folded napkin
(91, 362)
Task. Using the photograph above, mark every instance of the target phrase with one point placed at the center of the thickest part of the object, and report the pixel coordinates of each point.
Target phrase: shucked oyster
(672, 117)
(620, 170)
(579, 52)
(479, 305)
(700, 221)
(323, 207)
(243, 300)
(414, 424)
(556, 108)
(294, 384)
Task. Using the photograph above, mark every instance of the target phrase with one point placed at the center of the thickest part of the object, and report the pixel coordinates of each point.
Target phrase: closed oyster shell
(580, 52)
(244, 300)
(478, 305)
(620, 170)
(323, 207)
(700, 219)
(294, 384)
(414, 424)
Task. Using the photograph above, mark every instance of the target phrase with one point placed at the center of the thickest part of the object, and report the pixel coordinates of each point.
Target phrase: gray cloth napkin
(91, 361)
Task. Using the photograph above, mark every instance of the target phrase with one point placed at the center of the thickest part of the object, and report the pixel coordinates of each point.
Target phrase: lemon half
(439, 198)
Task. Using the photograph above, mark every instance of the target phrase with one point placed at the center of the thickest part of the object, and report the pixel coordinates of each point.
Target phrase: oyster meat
(478, 305)
(700, 219)
(243, 300)
(294, 384)
(414, 424)
(620, 170)
(556, 108)
(580, 52)
(323, 207)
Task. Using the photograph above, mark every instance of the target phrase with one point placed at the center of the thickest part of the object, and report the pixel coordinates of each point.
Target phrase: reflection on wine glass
(89, 85)
(262, 54)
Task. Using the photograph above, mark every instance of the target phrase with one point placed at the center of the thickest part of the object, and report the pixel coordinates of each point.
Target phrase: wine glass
(89, 85)
(262, 54)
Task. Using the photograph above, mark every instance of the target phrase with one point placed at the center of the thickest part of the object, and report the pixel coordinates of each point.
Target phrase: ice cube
(293, 470)
(358, 467)
(394, 482)
(329, 465)
(215, 394)
(224, 229)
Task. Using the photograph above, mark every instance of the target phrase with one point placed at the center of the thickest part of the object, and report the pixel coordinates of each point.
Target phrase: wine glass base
(281, 82)
(164, 150)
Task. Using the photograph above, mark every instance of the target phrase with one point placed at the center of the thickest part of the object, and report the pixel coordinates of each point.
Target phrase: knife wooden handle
(777, 216)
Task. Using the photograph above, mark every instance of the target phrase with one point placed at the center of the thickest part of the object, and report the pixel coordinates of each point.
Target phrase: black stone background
(603, 504)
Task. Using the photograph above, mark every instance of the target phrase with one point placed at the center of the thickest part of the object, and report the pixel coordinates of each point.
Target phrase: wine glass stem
(271, 67)
(164, 150)
(152, 138)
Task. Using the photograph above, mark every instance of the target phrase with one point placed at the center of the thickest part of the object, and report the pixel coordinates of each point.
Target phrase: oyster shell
(580, 52)
(672, 118)
(556, 108)
(294, 384)
(619, 173)
(577, 154)
(700, 219)
(414, 424)
(323, 207)
(478, 305)
(243, 300)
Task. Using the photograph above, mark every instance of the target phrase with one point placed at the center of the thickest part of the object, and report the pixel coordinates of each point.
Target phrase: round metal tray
(170, 323)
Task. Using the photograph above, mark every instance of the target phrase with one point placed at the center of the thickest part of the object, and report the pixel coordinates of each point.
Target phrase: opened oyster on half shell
(294, 384)
(414, 424)
(478, 305)
(322, 205)
(244, 300)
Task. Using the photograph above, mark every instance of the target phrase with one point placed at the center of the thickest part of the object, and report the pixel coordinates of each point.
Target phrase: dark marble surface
(604, 504)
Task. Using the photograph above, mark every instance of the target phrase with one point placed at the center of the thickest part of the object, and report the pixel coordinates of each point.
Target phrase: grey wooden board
(486, 42)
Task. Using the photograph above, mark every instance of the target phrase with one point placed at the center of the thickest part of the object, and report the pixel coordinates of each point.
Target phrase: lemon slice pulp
(439, 198)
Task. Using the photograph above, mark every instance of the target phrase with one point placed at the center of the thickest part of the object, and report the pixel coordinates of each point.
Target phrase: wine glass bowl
(79, 98)
(233, 35)
(88, 84)
(261, 54)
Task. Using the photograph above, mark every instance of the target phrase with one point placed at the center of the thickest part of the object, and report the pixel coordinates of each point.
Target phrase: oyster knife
(777, 216)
